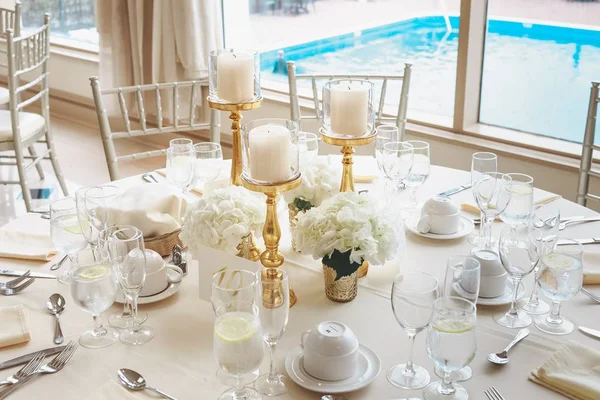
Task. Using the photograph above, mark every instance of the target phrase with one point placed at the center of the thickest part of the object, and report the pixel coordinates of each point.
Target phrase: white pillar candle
(270, 153)
(349, 108)
(235, 77)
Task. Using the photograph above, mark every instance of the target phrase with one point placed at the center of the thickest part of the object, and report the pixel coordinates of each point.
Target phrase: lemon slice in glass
(72, 225)
(558, 261)
(92, 273)
(235, 329)
(520, 189)
(453, 326)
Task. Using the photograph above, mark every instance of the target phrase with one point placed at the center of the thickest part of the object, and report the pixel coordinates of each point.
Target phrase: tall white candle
(235, 77)
(270, 153)
(349, 108)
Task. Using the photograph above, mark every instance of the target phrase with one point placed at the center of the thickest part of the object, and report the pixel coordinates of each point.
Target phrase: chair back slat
(141, 110)
(11, 19)
(587, 152)
(124, 112)
(192, 105)
(159, 115)
(175, 106)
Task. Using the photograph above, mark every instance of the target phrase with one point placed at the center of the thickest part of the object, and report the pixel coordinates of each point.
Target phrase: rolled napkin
(27, 238)
(113, 391)
(155, 209)
(571, 371)
(14, 328)
(591, 267)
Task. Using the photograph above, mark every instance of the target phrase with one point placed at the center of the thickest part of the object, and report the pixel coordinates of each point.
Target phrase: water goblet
(180, 166)
(209, 161)
(419, 171)
(481, 162)
(126, 252)
(273, 301)
(451, 345)
(560, 278)
(413, 295)
(520, 207)
(238, 346)
(519, 254)
(397, 164)
(93, 288)
(65, 232)
(183, 142)
(493, 193)
(308, 144)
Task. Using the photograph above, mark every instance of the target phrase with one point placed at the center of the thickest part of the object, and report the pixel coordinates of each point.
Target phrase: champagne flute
(520, 207)
(238, 346)
(413, 295)
(560, 278)
(273, 301)
(65, 232)
(209, 161)
(481, 163)
(420, 170)
(493, 194)
(180, 165)
(93, 288)
(385, 134)
(126, 252)
(451, 345)
(519, 254)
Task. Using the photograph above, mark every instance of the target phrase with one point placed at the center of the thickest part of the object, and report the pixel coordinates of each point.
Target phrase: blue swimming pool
(536, 77)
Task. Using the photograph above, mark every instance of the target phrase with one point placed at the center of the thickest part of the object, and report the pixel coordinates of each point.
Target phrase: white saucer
(368, 367)
(505, 298)
(166, 293)
(465, 226)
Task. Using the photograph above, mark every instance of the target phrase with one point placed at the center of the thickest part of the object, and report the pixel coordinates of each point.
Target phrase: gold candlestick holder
(235, 117)
(272, 257)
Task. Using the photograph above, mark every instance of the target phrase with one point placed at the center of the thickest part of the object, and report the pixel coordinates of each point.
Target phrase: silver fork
(591, 295)
(11, 284)
(31, 366)
(493, 394)
(564, 224)
(17, 289)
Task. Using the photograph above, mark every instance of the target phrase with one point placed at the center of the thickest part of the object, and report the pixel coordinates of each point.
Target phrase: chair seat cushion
(29, 123)
(4, 97)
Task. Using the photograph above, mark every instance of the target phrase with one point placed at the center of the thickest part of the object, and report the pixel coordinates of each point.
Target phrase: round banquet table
(179, 360)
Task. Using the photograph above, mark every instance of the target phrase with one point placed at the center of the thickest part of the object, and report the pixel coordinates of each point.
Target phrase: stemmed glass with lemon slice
(65, 232)
(238, 346)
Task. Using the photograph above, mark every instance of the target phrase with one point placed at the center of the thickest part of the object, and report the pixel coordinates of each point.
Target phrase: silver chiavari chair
(587, 154)
(9, 19)
(19, 130)
(174, 123)
(399, 119)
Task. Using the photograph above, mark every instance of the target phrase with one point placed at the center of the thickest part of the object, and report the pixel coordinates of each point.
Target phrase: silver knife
(12, 272)
(589, 331)
(582, 241)
(455, 190)
(27, 357)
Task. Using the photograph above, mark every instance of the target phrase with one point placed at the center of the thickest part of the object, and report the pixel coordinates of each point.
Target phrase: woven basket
(164, 244)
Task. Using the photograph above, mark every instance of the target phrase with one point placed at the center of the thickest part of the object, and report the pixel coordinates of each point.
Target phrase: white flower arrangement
(320, 181)
(222, 218)
(348, 223)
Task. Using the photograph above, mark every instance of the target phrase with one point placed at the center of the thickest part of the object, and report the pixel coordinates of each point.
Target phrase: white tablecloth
(179, 359)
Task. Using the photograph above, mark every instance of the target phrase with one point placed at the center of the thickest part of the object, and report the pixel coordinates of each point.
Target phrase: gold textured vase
(247, 248)
(342, 290)
(293, 216)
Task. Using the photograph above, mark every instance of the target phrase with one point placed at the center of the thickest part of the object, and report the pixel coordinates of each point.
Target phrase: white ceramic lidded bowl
(158, 277)
(330, 351)
(440, 216)
(493, 274)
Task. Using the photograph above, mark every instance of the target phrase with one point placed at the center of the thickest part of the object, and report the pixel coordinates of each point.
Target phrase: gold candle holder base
(347, 184)
(236, 117)
(272, 257)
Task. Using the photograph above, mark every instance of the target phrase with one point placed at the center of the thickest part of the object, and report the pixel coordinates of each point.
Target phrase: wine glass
(520, 206)
(126, 252)
(420, 170)
(97, 208)
(93, 288)
(183, 142)
(308, 144)
(180, 165)
(273, 301)
(519, 254)
(238, 346)
(451, 345)
(413, 295)
(481, 163)
(385, 134)
(547, 220)
(65, 232)
(209, 161)
(493, 194)
(397, 163)
(560, 278)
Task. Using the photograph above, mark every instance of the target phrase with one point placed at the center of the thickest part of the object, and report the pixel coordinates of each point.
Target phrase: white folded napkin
(591, 266)
(113, 391)
(155, 209)
(27, 238)
(541, 197)
(573, 371)
(14, 325)
(365, 169)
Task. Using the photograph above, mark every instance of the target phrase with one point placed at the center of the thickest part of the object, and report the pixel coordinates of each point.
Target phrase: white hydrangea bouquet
(222, 218)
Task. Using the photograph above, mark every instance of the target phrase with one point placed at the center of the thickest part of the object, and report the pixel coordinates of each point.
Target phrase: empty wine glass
(274, 308)
(397, 163)
(560, 278)
(451, 344)
(308, 144)
(385, 134)
(181, 142)
(180, 165)
(413, 295)
(547, 220)
(96, 209)
(481, 163)
(238, 346)
(520, 207)
(126, 252)
(492, 191)
(519, 254)
(65, 232)
(419, 171)
(209, 161)
(93, 288)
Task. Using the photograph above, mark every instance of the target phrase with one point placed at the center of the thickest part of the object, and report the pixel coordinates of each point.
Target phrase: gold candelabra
(272, 258)
(236, 117)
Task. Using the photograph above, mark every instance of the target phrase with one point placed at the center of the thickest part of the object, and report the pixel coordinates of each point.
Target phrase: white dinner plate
(465, 226)
(368, 367)
(166, 293)
(505, 298)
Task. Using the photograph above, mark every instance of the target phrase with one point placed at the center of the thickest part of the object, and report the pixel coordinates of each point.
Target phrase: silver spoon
(332, 397)
(134, 381)
(502, 357)
(56, 305)
(149, 178)
(58, 264)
